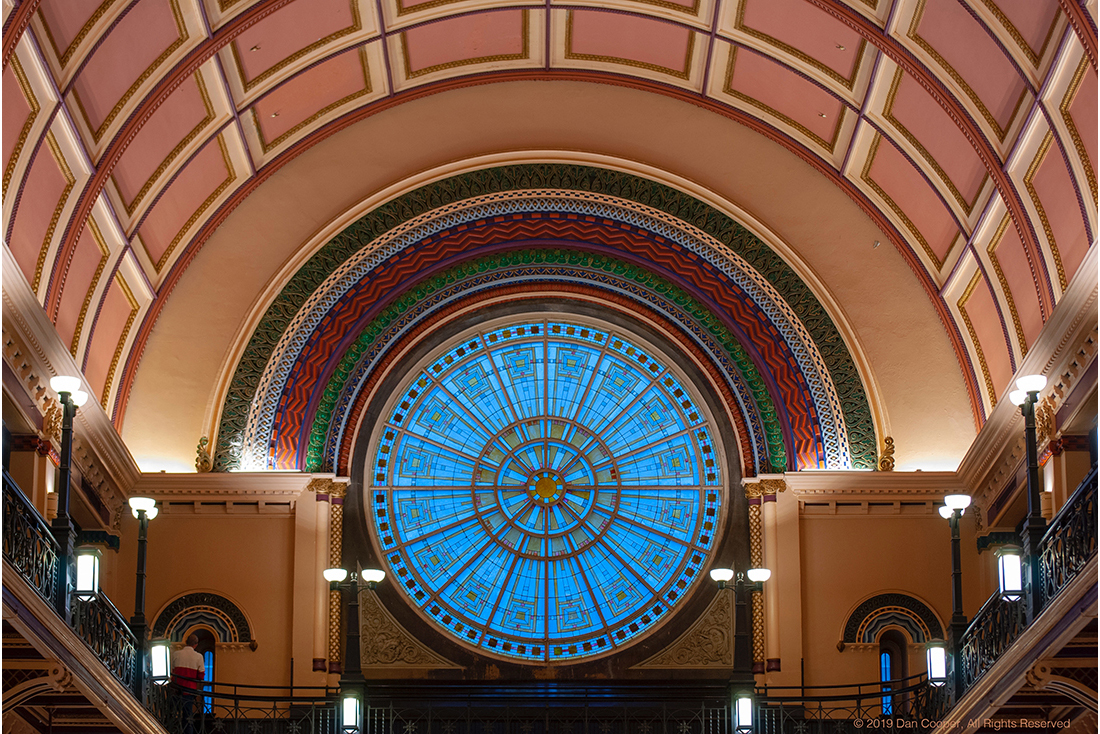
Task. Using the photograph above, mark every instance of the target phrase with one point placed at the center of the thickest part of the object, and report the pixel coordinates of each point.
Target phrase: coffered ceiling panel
(150, 38)
(954, 41)
(805, 37)
(964, 131)
(912, 200)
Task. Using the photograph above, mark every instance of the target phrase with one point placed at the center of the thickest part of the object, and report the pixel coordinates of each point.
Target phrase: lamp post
(144, 509)
(743, 681)
(352, 683)
(70, 396)
(952, 511)
(1026, 396)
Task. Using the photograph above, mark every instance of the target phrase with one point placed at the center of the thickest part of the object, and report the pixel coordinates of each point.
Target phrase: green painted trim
(337, 384)
(854, 405)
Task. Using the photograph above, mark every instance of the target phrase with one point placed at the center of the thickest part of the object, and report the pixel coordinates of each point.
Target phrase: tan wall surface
(247, 559)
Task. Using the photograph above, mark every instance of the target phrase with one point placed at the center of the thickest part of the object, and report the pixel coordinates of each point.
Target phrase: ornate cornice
(242, 486)
(852, 484)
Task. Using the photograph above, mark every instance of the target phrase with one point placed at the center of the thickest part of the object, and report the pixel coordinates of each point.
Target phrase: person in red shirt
(188, 670)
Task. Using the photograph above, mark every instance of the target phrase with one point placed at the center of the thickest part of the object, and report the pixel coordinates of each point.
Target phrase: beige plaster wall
(247, 559)
(848, 558)
(925, 406)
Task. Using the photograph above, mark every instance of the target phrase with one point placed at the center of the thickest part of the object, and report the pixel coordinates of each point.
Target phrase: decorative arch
(205, 608)
(868, 620)
(796, 385)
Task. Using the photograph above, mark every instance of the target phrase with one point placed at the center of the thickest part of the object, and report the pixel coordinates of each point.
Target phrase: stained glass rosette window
(546, 491)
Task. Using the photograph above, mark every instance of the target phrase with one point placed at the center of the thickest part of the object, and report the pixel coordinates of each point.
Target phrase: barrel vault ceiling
(151, 147)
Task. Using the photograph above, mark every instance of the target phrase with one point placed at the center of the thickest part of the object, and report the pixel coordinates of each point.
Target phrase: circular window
(546, 491)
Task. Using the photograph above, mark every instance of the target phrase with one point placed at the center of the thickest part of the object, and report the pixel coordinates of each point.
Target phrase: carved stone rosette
(707, 644)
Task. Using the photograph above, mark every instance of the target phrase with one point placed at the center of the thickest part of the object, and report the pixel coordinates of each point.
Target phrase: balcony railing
(236, 709)
(1067, 547)
(96, 621)
(1070, 541)
(911, 704)
(29, 546)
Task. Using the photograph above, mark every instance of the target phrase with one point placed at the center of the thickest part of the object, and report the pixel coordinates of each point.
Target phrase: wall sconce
(1011, 573)
(160, 661)
(937, 662)
(87, 573)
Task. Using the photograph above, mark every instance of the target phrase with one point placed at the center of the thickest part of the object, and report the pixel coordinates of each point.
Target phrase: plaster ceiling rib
(133, 125)
(1083, 27)
(19, 21)
(958, 114)
(824, 168)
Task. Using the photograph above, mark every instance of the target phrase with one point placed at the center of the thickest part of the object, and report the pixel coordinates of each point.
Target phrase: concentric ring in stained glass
(546, 491)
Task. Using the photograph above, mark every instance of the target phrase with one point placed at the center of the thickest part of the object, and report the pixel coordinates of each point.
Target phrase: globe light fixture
(146, 504)
(373, 576)
(759, 575)
(722, 576)
(334, 574)
(945, 512)
(957, 501)
(1017, 397)
(79, 397)
(1031, 383)
(65, 383)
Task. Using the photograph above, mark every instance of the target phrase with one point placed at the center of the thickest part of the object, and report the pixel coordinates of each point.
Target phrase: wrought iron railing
(995, 627)
(1068, 546)
(235, 709)
(911, 704)
(1070, 541)
(31, 549)
(548, 710)
(95, 620)
(29, 545)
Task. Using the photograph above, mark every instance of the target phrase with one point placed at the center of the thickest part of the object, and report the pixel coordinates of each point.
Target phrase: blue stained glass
(546, 491)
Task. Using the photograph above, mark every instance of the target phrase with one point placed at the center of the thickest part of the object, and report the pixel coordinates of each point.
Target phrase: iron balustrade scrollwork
(28, 543)
(1070, 541)
(96, 621)
(224, 709)
(911, 704)
(993, 630)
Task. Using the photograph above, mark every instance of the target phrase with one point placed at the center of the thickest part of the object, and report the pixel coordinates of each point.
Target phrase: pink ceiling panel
(181, 113)
(79, 281)
(804, 27)
(201, 178)
(778, 89)
(1032, 19)
(289, 30)
(612, 36)
(1058, 195)
(111, 328)
(966, 47)
(66, 18)
(984, 316)
(1012, 259)
(466, 38)
(135, 44)
(16, 111)
(916, 111)
(909, 191)
(1082, 111)
(303, 96)
(44, 186)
